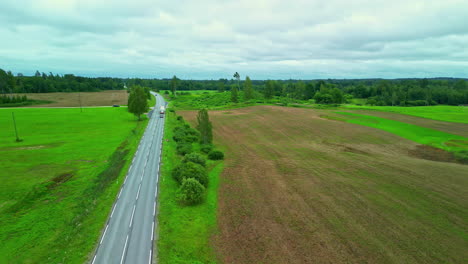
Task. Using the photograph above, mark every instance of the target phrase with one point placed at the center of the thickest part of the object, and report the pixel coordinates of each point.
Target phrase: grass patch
(431, 137)
(58, 185)
(458, 114)
(185, 231)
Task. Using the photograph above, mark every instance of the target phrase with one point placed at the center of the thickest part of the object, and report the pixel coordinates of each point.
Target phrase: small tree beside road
(138, 101)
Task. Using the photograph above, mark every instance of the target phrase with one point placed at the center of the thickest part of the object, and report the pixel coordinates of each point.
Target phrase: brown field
(105, 98)
(298, 188)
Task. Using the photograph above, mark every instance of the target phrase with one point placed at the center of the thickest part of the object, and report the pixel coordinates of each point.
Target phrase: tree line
(404, 92)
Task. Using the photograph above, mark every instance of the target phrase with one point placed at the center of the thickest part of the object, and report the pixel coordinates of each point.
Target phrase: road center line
(133, 213)
(138, 193)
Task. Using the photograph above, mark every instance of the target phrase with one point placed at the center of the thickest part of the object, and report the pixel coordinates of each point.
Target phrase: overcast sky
(212, 39)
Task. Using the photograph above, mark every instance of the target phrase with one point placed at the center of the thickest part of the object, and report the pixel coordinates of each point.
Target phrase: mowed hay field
(300, 188)
(58, 185)
(104, 98)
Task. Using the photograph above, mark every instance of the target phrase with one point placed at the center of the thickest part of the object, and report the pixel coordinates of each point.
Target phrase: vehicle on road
(161, 112)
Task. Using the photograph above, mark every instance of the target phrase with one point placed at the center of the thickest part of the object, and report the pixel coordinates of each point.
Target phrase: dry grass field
(104, 98)
(299, 188)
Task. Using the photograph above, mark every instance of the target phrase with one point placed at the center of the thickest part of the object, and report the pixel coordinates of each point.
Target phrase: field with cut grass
(57, 185)
(304, 186)
(104, 98)
(447, 113)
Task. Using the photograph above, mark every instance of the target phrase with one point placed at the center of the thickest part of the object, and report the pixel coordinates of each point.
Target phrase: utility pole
(16, 130)
(79, 99)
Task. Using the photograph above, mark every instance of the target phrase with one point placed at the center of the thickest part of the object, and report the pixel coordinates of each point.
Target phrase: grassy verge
(185, 231)
(447, 113)
(453, 143)
(58, 185)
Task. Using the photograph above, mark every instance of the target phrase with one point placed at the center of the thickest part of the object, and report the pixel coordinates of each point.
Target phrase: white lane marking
(151, 252)
(131, 219)
(113, 210)
(94, 259)
(120, 193)
(131, 167)
(154, 208)
(152, 231)
(157, 169)
(137, 151)
(103, 235)
(125, 179)
(123, 252)
(138, 193)
(156, 192)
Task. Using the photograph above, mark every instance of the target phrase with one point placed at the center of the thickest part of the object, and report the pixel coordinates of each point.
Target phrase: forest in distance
(390, 92)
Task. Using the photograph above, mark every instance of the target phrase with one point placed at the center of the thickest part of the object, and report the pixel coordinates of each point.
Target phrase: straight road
(129, 233)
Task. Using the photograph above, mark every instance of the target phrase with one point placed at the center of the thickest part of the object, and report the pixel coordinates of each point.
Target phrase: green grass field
(435, 138)
(447, 113)
(184, 231)
(58, 184)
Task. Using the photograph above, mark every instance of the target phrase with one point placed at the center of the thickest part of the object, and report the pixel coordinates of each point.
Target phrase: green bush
(190, 170)
(184, 148)
(206, 148)
(216, 155)
(195, 158)
(180, 118)
(190, 192)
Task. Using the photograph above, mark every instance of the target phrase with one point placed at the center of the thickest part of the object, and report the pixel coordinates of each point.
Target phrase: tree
(248, 90)
(173, 85)
(190, 170)
(190, 192)
(221, 86)
(237, 76)
(205, 127)
(234, 96)
(269, 89)
(137, 101)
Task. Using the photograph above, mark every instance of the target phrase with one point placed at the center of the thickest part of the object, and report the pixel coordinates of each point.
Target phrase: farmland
(307, 187)
(59, 183)
(457, 114)
(105, 98)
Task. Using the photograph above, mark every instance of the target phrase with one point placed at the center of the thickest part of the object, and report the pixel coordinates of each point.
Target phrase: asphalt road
(129, 233)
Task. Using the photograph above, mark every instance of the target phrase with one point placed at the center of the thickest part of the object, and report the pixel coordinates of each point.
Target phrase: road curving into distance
(129, 233)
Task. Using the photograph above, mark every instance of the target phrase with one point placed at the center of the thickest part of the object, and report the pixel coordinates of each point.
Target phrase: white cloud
(259, 38)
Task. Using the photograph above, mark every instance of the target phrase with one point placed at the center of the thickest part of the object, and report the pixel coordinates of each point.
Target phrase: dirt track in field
(298, 188)
(105, 98)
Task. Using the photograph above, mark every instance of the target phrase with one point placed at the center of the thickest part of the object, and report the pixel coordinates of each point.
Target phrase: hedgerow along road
(129, 233)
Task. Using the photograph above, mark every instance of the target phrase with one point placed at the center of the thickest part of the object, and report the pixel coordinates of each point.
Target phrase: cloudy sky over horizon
(211, 39)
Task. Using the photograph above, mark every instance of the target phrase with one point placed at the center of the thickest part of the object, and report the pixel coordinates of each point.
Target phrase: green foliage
(248, 90)
(185, 232)
(269, 89)
(190, 192)
(234, 95)
(180, 118)
(184, 148)
(190, 170)
(195, 158)
(137, 101)
(204, 126)
(206, 148)
(174, 82)
(216, 155)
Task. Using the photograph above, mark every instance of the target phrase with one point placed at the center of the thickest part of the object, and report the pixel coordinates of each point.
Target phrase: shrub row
(191, 174)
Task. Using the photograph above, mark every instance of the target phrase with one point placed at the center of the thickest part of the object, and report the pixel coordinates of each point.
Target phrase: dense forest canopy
(405, 92)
